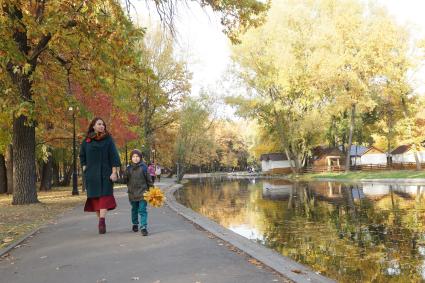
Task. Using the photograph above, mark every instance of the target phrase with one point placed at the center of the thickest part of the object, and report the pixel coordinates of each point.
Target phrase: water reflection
(350, 232)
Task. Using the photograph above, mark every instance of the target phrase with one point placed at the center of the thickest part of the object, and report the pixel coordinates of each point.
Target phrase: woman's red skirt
(96, 204)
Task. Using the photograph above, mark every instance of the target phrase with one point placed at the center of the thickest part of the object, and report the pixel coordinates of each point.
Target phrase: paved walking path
(175, 251)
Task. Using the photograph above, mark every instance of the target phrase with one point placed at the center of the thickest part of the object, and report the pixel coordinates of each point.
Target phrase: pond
(348, 232)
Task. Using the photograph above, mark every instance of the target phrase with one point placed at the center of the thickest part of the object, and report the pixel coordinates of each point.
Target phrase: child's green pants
(139, 208)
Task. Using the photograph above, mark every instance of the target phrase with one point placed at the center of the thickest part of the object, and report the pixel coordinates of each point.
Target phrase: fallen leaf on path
(297, 271)
(101, 280)
(43, 257)
(135, 278)
(254, 261)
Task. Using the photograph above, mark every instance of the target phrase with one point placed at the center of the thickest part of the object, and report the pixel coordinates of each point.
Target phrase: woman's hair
(92, 123)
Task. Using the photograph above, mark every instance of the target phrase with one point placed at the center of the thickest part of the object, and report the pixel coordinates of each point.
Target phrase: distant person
(100, 162)
(151, 170)
(158, 172)
(138, 182)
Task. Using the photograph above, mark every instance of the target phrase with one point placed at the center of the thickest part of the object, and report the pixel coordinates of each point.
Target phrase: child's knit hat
(136, 151)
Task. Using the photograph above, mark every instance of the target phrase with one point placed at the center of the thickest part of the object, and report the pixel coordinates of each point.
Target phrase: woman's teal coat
(99, 157)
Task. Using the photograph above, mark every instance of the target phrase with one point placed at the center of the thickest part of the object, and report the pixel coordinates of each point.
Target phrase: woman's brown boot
(102, 225)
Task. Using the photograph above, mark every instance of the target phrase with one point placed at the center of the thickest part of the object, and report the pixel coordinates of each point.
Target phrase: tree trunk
(290, 161)
(67, 173)
(350, 138)
(38, 168)
(23, 136)
(180, 171)
(415, 154)
(55, 172)
(147, 130)
(9, 168)
(23, 140)
(172, 172)
(3, 178)
(389, 137)
(24, 162)
(47, 174)
(388, 152)
(297, 163)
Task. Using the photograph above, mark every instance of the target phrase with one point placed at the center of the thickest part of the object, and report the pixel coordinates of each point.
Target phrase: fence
(365, 167)
(321, 169)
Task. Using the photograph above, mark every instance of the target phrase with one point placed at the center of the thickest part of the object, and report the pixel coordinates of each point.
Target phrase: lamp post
(144, 153)
(126, 154)
(74, 156)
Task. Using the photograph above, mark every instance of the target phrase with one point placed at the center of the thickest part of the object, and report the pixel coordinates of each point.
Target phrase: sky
(410, 13)
(208, 50)
(199, 39)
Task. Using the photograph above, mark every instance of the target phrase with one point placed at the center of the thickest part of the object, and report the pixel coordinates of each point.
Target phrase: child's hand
(114, 177)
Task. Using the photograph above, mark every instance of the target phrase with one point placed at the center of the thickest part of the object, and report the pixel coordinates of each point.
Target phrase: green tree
(314, 65)
(194, 138)
(29, 31)
(286, 62)
(163, 82)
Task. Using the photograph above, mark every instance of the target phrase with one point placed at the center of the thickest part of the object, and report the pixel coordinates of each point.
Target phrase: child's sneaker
(135, 228)
(144, 231)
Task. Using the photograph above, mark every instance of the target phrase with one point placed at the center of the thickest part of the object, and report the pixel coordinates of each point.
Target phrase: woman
(158, 172)
(100, 162)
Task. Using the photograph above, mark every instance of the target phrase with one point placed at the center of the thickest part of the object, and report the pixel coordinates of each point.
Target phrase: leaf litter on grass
(18, 220)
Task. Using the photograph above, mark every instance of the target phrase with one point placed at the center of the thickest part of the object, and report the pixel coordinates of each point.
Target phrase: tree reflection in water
(349, 232)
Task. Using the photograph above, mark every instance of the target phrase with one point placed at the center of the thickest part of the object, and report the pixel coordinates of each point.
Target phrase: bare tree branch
(39, 11)
(41, 46)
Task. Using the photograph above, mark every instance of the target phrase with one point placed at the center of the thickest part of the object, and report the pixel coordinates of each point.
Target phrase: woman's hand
(114, 177)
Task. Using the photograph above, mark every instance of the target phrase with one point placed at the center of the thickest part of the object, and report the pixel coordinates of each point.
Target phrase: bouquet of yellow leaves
(155, 197)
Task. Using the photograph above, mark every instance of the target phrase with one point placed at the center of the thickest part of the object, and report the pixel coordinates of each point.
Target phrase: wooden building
(327, 159)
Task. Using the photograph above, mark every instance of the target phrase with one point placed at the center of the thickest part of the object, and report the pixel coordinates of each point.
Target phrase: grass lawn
(17, 220)
(402, 174)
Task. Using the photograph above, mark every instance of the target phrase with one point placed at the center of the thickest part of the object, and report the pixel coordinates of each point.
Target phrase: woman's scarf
(97, 136)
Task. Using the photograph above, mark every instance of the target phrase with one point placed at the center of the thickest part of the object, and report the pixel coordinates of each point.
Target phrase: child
(151, 170)
(138, 181)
